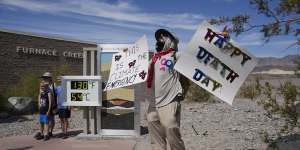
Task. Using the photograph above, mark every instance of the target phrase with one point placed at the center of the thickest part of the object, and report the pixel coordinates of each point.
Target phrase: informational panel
(118, 105)
(215, 63)
(82, 90)
(129, 66)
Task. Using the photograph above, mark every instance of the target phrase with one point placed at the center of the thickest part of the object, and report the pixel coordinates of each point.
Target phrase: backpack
(54, 96)
(54, 105)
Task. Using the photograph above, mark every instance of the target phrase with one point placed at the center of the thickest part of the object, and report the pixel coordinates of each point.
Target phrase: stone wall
(16, 59)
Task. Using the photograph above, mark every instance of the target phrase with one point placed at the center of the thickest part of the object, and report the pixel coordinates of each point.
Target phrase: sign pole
(85, 110)
(98, 109)
(92, 108)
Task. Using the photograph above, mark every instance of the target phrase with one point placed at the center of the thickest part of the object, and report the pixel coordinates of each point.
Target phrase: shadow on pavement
(21, 148)
(72, 133)
(14, 119)
(290, 142)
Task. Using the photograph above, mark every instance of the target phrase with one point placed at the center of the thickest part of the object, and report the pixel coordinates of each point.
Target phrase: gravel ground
(28, 124)
(215, 126)
(219, 126)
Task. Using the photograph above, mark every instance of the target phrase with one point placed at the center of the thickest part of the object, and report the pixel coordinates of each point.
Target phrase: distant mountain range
(269, 63)
(265, 64)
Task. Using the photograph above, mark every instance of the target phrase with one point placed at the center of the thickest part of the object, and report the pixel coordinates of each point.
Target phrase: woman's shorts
(64, 113)
(44, 119)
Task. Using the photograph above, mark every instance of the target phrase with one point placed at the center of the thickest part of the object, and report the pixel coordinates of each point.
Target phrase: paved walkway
(29, 143)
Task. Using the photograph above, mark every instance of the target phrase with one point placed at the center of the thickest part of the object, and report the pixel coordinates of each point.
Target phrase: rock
(21, 105)
(249, 111)
(249, 138)
(205, 133)
(3, 115)
(236, 109)
(234, 129)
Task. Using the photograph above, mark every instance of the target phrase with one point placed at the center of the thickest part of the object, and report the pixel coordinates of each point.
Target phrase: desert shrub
(266, 138)
(2, 103)
(283, 107)
(197, 94)
(268, 100)
(28, 84)
(267, 96)
(264, 135)
(286, 109)
(251, 90)
(60, 70)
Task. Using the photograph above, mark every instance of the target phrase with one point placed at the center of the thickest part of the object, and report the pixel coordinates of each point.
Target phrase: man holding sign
(214, 62)
(164, 113)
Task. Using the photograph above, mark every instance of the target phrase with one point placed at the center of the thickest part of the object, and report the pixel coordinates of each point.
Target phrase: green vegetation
(282, 17)
(28, 85)
(192, 92)
(2, 103)
(197, 94)
(250, 90)
(288, 109)
(60, 70)
(276, 101)
(265, 137)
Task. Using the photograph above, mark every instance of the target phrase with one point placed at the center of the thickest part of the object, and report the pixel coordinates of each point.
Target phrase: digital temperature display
(76, 97)
(79, 85)
(81, 90)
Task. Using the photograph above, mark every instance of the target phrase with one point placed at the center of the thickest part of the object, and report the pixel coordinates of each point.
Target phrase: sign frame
(136, 132)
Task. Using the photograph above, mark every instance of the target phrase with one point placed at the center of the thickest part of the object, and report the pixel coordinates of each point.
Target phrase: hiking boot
(64, 136)
(46, 137)
(50, 134)
(38, 136)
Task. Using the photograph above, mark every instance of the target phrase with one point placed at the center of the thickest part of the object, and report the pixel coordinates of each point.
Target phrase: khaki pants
(163, 125)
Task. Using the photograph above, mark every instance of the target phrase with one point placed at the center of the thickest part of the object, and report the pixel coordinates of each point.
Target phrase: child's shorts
(44, 119)
(64, 113)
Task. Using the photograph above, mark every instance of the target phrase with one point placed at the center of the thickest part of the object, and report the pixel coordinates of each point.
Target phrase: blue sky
(116, 21)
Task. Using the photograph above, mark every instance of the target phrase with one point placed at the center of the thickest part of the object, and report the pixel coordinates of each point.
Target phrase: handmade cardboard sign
(215, 63)
(129, 66)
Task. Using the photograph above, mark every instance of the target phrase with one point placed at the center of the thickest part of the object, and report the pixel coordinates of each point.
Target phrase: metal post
(93, 120)
(98, 109)
(85, 110)
(137, 113)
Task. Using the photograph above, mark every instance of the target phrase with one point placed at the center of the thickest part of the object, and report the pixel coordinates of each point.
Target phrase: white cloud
(120, 11)
(251, 39)
(256, 39)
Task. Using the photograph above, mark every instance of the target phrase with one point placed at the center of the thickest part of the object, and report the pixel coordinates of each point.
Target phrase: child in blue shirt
(44, 103)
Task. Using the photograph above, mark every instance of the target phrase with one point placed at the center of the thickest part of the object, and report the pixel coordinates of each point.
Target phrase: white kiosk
(106, 114)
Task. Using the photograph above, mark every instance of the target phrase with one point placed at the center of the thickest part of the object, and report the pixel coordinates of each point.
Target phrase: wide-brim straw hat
(46, 75)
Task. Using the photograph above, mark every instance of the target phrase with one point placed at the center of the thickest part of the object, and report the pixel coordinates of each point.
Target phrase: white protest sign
(216, 64)
(130, 66)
